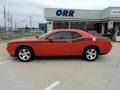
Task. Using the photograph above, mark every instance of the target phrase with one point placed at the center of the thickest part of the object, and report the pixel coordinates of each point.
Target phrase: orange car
(61, 42)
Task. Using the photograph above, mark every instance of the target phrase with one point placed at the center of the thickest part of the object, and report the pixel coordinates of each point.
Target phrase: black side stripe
(58, 42)
(103, 39)
(31, 42)
(40, 42)
(81, 40)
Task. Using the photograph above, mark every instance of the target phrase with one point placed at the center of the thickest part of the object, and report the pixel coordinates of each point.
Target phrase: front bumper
(10, 50)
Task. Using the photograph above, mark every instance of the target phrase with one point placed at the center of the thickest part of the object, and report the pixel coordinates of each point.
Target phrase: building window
(60, 24)
(77, 25)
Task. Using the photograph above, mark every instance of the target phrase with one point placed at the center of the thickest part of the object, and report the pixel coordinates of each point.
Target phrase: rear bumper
(106, 50)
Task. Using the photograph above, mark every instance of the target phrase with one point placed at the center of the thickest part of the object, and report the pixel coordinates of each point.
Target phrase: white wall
(49, 25)
(110, 24)
(50, 13)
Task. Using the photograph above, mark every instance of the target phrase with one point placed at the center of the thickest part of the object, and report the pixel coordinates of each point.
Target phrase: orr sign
(66, 13)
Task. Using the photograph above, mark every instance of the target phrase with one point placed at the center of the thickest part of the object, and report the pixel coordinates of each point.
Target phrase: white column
(85, 26)
(116, 30)
(110, 25)
(49, 25)
(103, 29)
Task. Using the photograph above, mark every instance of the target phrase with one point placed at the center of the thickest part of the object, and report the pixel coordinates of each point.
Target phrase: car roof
(76, 30)
(82, 32)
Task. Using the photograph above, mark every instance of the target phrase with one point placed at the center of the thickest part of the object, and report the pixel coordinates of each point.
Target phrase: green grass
(15, 36)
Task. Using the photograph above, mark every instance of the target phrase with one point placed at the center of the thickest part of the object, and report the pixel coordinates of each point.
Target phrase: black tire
(25, 52)
(90, 53)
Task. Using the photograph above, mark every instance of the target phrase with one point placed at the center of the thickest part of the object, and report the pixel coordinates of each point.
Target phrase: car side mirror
(50, 39)
(37, 36)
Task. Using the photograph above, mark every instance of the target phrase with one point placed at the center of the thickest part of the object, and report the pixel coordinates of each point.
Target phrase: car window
(75, 35)
(56, 35)
(62, 35)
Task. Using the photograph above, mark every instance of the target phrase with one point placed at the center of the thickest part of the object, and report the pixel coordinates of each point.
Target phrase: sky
(21, 10)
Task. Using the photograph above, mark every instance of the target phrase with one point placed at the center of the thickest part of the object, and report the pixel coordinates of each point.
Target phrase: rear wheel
(90, 53)
(24, 54)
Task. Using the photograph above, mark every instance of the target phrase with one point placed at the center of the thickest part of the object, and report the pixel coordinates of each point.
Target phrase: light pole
(31, 23)
(4, 18)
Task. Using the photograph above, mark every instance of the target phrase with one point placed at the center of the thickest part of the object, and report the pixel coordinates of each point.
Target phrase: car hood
(25, 39)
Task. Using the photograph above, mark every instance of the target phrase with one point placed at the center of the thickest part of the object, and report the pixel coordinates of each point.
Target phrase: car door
(77, 44)
(60, 45)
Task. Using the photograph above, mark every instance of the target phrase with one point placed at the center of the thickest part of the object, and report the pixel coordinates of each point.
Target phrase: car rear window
(75, 35)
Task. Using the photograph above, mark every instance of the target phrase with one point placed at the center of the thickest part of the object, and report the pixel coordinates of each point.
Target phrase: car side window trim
(64, 37)
(72, 37)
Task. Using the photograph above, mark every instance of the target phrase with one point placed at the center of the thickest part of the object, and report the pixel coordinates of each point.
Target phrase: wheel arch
(24, 46)
(95, 46)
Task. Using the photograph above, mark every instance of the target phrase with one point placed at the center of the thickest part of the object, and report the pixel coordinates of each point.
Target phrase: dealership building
(99, 20)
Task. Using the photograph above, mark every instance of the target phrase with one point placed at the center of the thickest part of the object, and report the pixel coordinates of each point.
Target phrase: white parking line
(52, 85)
(5, 62)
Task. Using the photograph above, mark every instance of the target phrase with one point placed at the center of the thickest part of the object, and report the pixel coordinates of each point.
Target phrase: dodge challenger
(60, 42)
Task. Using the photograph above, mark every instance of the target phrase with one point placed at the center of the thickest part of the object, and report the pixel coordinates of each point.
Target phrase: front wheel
(24, 54)
(90, 53)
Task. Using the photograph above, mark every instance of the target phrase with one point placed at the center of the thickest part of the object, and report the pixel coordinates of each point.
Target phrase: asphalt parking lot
(60, 73)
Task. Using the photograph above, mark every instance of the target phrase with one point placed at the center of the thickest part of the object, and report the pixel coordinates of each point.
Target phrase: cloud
(22, 9)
